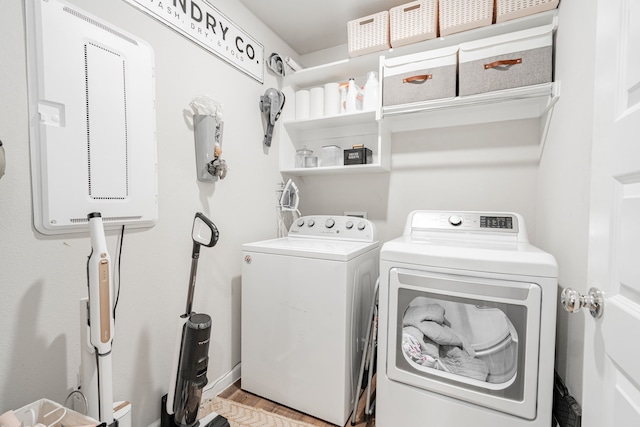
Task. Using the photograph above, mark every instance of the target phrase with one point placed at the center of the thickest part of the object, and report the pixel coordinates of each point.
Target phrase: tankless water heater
(92, 120)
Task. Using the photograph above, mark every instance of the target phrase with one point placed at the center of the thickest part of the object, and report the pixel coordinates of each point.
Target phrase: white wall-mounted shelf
(336, 121)
(336, 170)
(374, 129)
(343, 130)
(511, 104)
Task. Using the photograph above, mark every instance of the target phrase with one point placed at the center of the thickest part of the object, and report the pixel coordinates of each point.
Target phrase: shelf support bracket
(548, 112)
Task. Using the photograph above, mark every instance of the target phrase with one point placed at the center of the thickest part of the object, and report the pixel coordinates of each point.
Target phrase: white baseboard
(214, 388)
(207, 418)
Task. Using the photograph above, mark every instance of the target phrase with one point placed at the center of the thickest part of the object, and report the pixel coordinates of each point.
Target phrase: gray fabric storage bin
(419, 77)
(508, 61)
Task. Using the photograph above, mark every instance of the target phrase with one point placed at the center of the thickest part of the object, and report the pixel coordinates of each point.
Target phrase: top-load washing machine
(305, 304)
(466, 323)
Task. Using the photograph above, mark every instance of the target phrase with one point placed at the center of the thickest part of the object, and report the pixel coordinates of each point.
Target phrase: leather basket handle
(503, 62)
(417, 79)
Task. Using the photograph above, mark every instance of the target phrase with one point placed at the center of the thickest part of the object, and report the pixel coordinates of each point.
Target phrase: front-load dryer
(466, 323)
(305, 305)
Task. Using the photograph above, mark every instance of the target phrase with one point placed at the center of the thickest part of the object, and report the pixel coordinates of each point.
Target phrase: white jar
(331, 155)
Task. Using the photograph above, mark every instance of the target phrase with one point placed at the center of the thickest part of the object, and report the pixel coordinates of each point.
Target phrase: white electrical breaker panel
(92, 121)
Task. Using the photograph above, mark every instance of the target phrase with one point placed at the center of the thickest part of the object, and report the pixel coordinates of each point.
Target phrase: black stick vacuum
(189, 374)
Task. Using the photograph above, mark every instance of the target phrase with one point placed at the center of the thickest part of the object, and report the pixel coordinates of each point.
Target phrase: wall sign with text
(206, 26)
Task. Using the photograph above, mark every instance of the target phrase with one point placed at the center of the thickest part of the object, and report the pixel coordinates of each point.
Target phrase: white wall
(42, 277)
(563, 193)
(489, 167)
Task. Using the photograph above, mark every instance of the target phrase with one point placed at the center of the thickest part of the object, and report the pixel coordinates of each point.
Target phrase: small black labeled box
(357, 156)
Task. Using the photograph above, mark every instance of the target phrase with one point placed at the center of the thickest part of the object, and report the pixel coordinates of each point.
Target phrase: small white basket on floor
(50, 413)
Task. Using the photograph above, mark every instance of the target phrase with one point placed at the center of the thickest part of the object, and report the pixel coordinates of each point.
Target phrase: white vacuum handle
(101, 313)
(100, 298)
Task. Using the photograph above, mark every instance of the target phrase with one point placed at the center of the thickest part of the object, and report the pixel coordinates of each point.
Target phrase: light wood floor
(236, 394)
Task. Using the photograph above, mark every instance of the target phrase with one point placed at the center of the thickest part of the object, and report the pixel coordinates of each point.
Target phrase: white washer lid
(329, 249)
(486, 256)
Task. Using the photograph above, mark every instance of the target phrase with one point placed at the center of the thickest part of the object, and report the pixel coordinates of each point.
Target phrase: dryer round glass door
(470, 338)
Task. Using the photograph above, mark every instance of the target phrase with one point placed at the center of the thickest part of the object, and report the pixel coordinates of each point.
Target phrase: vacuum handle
(192, 278)
(204, 232)
(100, 287)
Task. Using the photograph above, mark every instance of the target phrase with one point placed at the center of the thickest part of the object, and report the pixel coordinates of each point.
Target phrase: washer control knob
(330, 223)
(311, 223)
(300, 222)
(349, 225)
(361, 226)
(455, 220)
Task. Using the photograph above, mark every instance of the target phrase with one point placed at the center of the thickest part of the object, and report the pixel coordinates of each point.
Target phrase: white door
(611, 393)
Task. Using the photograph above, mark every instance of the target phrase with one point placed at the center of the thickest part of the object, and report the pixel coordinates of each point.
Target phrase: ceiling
(311, 25)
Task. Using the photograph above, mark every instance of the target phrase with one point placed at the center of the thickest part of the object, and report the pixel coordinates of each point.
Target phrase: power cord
(84, 400)
(220, 378)
(119, 250)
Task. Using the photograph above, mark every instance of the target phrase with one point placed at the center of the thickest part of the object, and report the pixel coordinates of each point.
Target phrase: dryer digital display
(496, 222)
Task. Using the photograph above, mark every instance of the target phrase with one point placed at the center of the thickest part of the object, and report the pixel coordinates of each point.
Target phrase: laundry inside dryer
(469, 340)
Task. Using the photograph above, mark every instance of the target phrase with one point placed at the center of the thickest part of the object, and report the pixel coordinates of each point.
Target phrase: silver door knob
(573, 301)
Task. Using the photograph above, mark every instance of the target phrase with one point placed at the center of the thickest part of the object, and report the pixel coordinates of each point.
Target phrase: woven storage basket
(462, 15)
(413, 22)
(512, 9)
(369, 34)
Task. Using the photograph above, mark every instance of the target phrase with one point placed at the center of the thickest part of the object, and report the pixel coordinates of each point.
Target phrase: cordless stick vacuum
(189, 373)
(101, 322)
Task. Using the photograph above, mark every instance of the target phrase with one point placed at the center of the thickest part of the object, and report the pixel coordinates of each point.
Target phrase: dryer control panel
(481, 223)
(334, 227)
